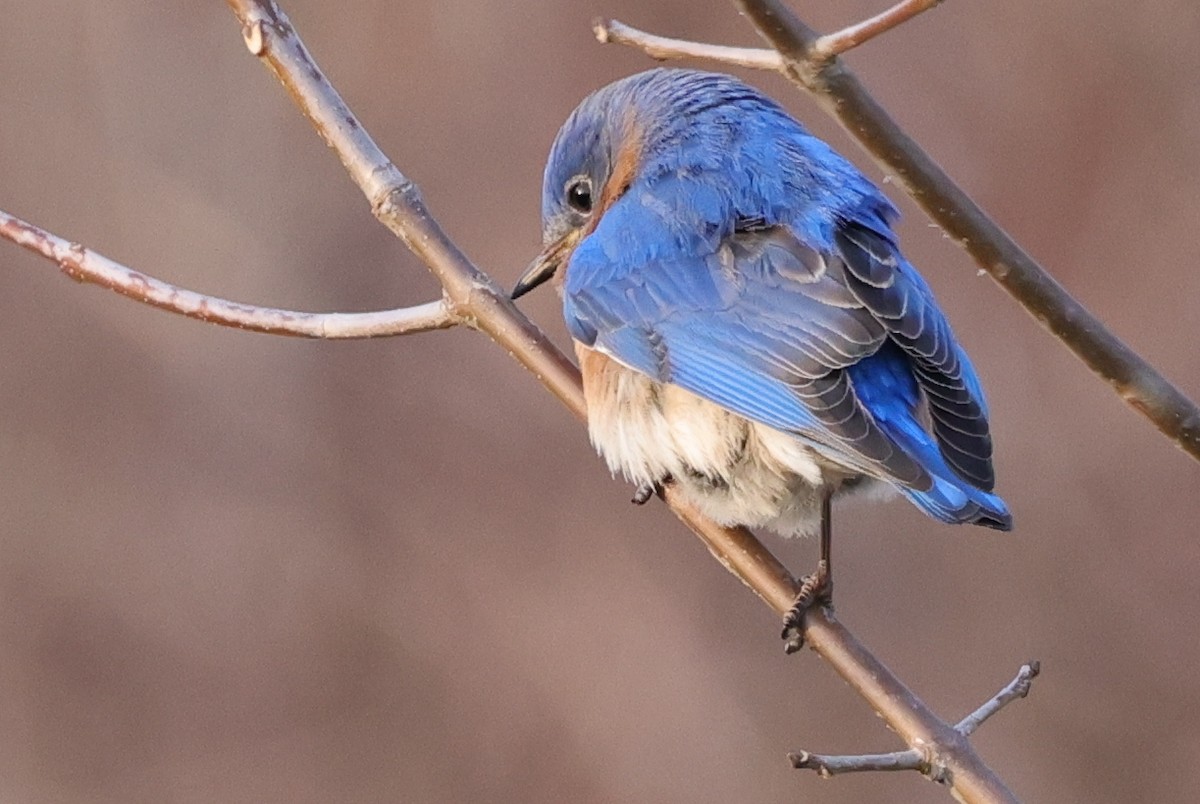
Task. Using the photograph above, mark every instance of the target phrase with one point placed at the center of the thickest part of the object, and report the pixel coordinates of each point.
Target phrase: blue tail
(886, 386)
(951, 499)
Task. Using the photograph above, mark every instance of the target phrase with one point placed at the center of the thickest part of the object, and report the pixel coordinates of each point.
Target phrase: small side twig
(84, 265)
(838, 42)
(663, 47)
(827, 765)
(1017, 688)
(926, 758)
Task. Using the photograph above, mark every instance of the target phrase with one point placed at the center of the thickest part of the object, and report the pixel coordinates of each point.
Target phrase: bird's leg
(816, 588)
(647, 490)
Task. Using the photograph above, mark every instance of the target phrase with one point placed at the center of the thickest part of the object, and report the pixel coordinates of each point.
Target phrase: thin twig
(85, 265)
(806, 62)
(1017, 688)
(662, 47)
(757, 58)
(827, 765)
(838, 42)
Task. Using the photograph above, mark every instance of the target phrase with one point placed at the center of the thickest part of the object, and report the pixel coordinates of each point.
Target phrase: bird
(746, 325)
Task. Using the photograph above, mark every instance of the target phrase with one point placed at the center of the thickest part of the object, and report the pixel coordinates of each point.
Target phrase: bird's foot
(647, 490)
(815, 590)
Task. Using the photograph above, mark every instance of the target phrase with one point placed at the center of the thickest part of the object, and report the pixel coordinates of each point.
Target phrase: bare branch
(823, 48)
(84, 265)
(662, 47)
(1017, 688)
(396, 202)
(827, 765)
(838, 42)
(928, 758)
(948, 750)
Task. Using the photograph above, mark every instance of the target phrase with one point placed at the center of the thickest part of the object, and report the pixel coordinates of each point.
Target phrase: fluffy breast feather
(734, 470)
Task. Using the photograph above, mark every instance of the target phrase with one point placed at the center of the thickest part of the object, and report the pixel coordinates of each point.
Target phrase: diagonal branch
(808, 61)
(85, 265)
(839, 91)
(397, 203)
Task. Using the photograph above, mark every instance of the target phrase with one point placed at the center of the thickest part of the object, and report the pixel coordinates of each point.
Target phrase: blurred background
(236, 567)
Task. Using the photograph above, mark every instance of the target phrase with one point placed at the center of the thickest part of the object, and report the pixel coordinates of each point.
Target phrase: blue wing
(842, 346)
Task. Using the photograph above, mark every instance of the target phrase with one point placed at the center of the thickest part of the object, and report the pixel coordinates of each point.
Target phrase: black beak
(544, 267)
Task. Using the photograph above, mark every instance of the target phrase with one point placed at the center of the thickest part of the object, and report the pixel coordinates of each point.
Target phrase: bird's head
(615, 138)
(592, 161)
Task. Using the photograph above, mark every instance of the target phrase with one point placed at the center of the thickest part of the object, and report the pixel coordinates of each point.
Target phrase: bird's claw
(645, 491)
(815, 590)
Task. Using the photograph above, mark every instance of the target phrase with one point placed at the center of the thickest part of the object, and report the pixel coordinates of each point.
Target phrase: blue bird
(746, 326)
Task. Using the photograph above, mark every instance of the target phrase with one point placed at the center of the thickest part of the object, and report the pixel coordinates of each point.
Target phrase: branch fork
(923, 757)
(819, 50)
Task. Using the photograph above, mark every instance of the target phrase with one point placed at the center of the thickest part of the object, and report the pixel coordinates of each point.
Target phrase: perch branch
(85, 265)
(919, 758)
(809, 61)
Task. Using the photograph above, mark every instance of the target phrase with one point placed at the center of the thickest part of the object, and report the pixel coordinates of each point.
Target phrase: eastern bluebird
(745, 323)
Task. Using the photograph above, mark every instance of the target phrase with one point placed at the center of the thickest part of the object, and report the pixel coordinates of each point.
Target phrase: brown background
(242, 568)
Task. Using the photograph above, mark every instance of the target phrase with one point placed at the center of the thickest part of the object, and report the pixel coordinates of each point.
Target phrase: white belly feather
(735, 471)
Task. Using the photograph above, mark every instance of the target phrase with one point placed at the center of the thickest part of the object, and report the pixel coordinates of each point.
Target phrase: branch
(1017, 688)
(85, 265)
(838, 42)
(810, 62)
(662, 47)
(396, 202)
(920, 758)
(827, 765)
(755, 58)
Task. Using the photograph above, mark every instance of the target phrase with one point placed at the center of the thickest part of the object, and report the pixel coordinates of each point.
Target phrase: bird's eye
(579, 195)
